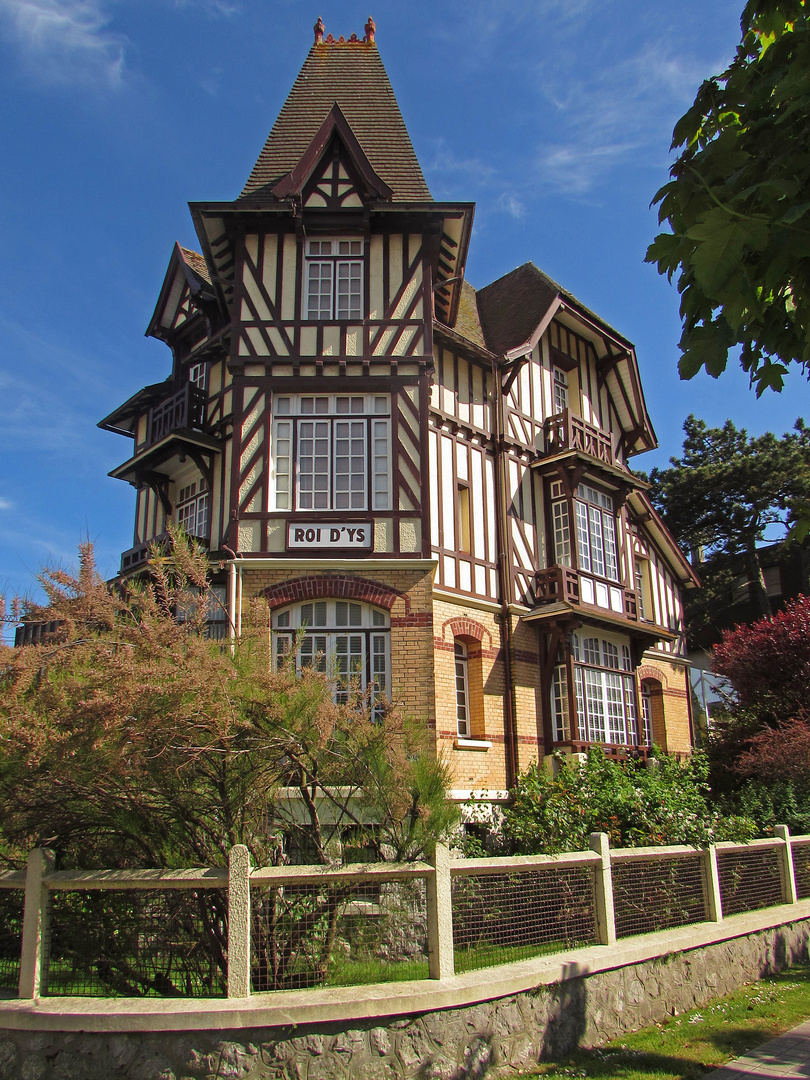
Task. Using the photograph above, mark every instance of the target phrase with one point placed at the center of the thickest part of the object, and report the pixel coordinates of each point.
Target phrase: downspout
(232, 602)
(503, 584)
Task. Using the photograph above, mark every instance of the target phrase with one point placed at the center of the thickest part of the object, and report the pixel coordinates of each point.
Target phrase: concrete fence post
(239, 922)
(440, 917)
(36, 918)
(603, 891)
(711, 884)
(787, 870)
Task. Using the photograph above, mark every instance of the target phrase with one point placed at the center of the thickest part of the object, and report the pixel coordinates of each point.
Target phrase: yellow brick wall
(670, 709)
(423, 628)
(481, 632)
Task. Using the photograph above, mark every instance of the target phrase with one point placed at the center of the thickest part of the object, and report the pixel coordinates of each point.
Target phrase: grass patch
(344, 972)
(485, 955)
(684, 1047)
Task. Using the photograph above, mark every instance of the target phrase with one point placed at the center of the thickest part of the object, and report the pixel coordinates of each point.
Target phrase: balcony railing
(565, 431)
(183, 411)
(137, 556)
(557, 583)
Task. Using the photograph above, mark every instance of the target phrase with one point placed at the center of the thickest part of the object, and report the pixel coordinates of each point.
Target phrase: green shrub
(638, 804)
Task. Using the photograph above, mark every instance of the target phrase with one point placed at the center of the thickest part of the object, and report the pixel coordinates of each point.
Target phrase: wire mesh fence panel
(749, 879)
(343, 934)
(499, 918)
(11, 920)
(128, 943)
(801, 868)
(657, 894)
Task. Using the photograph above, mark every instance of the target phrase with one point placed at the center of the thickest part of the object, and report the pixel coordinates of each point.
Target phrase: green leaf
(664, 250)
(794, 213)
(706, 346)
(721, 243)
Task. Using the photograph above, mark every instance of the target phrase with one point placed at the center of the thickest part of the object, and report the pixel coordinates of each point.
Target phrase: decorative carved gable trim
(334, 124)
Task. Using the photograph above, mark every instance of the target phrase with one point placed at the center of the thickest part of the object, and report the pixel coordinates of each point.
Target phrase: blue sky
(554, 116)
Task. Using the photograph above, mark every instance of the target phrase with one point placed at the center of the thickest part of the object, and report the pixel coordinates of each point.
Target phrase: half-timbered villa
(431, 481)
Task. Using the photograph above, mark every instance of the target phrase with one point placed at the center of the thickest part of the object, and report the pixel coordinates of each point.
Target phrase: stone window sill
(471, 744)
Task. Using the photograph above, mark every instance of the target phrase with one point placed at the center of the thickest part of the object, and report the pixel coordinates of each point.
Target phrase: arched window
(349, 642)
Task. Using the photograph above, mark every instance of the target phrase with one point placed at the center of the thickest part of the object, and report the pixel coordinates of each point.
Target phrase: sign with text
(318, 535)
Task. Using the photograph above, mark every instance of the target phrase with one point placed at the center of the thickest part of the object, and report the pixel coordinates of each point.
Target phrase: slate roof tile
(351, 74)
(512, 307)
(468, 324)
(197, 263)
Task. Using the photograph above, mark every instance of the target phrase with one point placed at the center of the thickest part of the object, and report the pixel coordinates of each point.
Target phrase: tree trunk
(762, 604)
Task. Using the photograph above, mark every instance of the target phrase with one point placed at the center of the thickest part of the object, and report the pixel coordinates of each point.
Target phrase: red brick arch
(342, 586)
(647, 671)
(467, 628)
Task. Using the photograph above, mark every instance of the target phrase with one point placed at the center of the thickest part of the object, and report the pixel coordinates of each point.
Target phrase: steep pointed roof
(351, 75)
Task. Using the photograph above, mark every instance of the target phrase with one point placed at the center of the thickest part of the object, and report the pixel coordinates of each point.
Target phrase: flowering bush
(664, 801)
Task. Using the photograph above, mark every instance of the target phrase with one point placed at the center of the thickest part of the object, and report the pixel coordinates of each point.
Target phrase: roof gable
(512, 308)
(351, 76)
(186, 286)
(328, 161)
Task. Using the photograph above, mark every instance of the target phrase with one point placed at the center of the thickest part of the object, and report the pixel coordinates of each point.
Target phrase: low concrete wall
(501, 1018)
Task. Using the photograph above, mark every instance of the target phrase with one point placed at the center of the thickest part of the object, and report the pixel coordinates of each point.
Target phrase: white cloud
(614, 119)
(66, 41)
(513, 206)
(6, 504)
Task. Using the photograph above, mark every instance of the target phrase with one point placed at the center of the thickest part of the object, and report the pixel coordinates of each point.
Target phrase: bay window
(331, 452)
(595, 525)
(604, 691)
(349, 642)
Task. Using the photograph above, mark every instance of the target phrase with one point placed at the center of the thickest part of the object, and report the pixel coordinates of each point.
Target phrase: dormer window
(333, 279)
(560, 391)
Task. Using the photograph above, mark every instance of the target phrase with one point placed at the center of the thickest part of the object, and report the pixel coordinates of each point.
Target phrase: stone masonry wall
(497, 1037)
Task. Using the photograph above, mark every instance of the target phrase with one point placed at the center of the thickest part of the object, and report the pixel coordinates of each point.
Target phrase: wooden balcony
(38, 633)
(183, 411)
(137, 556)
(565, 432)
(562, 584)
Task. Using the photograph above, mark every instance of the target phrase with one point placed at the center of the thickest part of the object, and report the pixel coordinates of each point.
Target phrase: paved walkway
(786, 1056)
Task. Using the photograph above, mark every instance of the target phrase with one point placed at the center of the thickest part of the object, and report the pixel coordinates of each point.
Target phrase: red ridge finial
(371, 30)
(319, 29)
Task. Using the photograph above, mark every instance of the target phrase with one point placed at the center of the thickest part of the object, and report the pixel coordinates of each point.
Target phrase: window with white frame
(605, 693)
(349, 642)
(462, 689)
(333, 279)
(562, 528)
(198, 375)
(332, 452)
(559, 702)
(646, 714)
(596, 533)
(560, 390)
(192, 509)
